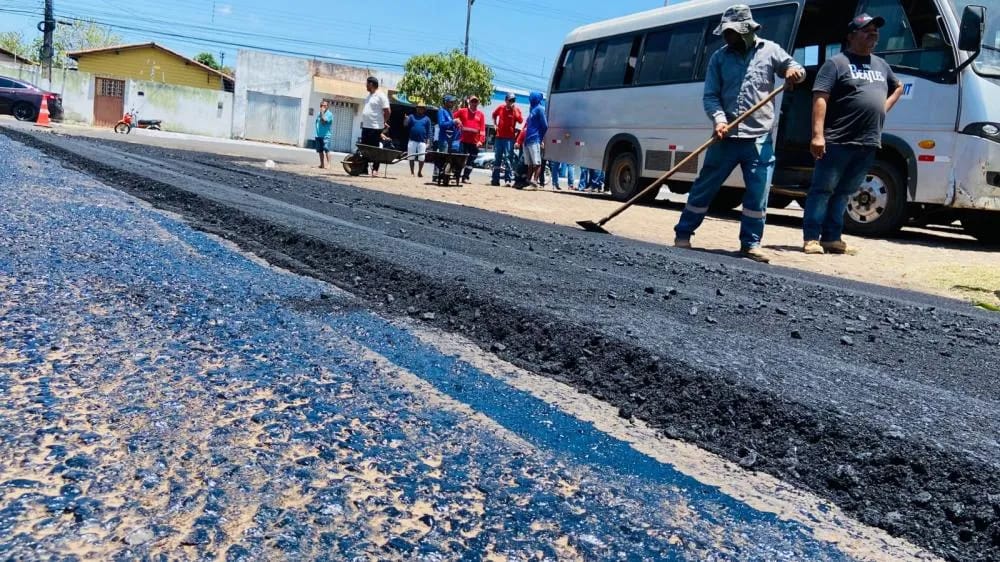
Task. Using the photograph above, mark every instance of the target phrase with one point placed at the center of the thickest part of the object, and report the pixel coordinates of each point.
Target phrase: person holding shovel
(739, 75)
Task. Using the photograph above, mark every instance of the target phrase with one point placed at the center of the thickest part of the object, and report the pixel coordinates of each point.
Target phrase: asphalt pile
(883, 401)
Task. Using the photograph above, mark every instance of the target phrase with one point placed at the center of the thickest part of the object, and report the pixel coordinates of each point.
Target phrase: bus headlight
(989, 131)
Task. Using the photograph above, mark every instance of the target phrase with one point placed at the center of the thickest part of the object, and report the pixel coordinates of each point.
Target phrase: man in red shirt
(473, 133)
(506, 118)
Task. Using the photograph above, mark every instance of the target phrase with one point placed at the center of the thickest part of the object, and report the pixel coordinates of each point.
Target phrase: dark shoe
(495, 183)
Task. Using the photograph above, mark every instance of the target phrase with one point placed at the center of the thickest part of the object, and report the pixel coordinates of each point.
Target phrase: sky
(519, 39)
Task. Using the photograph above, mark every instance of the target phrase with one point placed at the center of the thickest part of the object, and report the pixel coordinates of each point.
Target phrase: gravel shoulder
(882, 400)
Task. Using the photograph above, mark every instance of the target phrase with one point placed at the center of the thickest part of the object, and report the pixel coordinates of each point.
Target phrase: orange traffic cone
(43, 114)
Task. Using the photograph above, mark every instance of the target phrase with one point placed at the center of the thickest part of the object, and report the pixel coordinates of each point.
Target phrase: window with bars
(110, 88)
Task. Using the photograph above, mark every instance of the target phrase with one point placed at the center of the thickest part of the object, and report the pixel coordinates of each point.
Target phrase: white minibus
(626, 97)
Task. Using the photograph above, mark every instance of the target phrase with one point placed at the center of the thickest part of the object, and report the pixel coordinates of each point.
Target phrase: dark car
(23, 100)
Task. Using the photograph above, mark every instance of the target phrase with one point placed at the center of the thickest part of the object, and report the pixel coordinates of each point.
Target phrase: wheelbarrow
(357, 163)
(447, 166)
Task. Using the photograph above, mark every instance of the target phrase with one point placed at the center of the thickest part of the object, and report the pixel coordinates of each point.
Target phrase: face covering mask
(749, 40)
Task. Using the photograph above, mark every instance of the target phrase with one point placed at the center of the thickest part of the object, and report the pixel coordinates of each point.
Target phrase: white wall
(270, 74)
(76, 88)
(290, 76)
(182, 109)
(196, 111)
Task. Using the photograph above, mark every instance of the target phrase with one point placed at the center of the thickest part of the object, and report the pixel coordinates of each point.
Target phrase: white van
(626, 97)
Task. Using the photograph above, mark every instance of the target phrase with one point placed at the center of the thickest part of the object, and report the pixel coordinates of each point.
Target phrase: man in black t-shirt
(853, 92)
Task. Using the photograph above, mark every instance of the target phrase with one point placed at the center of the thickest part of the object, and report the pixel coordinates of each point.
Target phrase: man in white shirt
(374, 117)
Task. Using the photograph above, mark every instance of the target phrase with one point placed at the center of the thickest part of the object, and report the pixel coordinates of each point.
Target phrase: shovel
(598, 226)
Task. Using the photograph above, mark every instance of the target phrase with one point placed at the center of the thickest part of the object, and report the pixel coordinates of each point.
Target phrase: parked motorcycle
(131, 120)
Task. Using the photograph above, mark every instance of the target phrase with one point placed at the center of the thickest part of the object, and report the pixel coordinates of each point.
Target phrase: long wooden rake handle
(662, 179)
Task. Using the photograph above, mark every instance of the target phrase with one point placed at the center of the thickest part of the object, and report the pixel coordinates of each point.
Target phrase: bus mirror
(970, 35)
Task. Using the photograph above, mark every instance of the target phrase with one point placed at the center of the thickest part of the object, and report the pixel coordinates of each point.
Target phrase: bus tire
(878, 208)
(727, 199)
(622, 177)
(983, 225)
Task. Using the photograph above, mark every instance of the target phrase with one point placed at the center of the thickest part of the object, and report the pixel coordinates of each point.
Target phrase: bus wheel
(622, 177)
(984, 225)
(879, 206)
(727, 199)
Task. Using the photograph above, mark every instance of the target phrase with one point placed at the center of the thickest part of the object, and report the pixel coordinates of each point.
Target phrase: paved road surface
(879, 401)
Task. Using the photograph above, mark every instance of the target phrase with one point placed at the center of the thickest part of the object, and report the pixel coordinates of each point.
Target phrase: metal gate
(273, 118)
(109, 101)
(343, 125)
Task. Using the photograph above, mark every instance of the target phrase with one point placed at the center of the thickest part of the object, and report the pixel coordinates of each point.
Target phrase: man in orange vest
(473, 133)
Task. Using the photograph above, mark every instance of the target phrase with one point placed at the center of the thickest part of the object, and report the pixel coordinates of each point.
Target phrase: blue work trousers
(558, 169)
(503, 157)
(837, 176)
(755, 157)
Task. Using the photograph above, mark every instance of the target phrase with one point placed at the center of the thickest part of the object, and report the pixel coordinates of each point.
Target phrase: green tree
(14, 42)
(79, 36)
(428, 78)
(207, 59)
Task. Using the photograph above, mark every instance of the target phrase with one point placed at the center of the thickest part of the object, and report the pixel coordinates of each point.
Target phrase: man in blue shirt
(324, 133)
(535, 128)
(446, 131)
(420, 132)
(740, 74)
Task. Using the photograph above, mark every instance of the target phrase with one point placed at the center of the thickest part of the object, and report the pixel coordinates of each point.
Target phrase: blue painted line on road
(169, 318)
(549, 428)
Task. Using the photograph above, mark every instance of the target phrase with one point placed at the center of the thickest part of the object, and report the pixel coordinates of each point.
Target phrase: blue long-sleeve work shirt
(446, 125)
(735, 82)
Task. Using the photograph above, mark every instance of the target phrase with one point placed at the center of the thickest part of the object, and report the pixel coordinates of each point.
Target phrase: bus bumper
(976, 184)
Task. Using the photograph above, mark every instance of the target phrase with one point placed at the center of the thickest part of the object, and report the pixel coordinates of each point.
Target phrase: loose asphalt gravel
(883, 401)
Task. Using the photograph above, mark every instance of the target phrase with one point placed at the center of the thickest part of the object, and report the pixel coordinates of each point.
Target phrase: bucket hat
(739, 19)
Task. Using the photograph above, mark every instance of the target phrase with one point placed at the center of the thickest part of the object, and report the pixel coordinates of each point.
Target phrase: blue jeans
(837, 176)
(756, 158)
(559, 169)
(504, 157)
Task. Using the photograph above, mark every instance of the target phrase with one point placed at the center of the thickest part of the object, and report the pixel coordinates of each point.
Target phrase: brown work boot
(682, 243)
(813, 247)
(837, 247)
(755, 254)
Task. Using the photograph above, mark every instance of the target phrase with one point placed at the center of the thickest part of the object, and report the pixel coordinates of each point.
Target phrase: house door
(272, 118)
(109, 101)
(343, 125)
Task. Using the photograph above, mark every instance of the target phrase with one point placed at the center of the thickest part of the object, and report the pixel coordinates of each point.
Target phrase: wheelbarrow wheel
(355, 165)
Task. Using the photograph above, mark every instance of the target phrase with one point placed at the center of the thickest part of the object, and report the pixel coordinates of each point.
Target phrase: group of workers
(852, 94)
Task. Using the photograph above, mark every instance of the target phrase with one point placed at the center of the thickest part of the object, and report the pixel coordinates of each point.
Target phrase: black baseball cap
(861, 20)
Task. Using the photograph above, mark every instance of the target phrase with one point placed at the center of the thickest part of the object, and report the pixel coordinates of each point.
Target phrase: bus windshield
(988, 63)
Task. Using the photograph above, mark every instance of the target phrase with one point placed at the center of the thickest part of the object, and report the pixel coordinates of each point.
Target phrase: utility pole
(47, 26)
(468, 20)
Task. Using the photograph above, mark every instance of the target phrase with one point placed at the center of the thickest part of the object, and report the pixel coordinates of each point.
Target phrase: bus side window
(575, 68)
(711, 44)
(669, 55)
(807, 56)
(611, 62)
(911, 40)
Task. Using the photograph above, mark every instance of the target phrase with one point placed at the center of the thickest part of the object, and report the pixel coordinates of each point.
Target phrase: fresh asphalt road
(878, 400)
(165, 394)
(238, 148)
